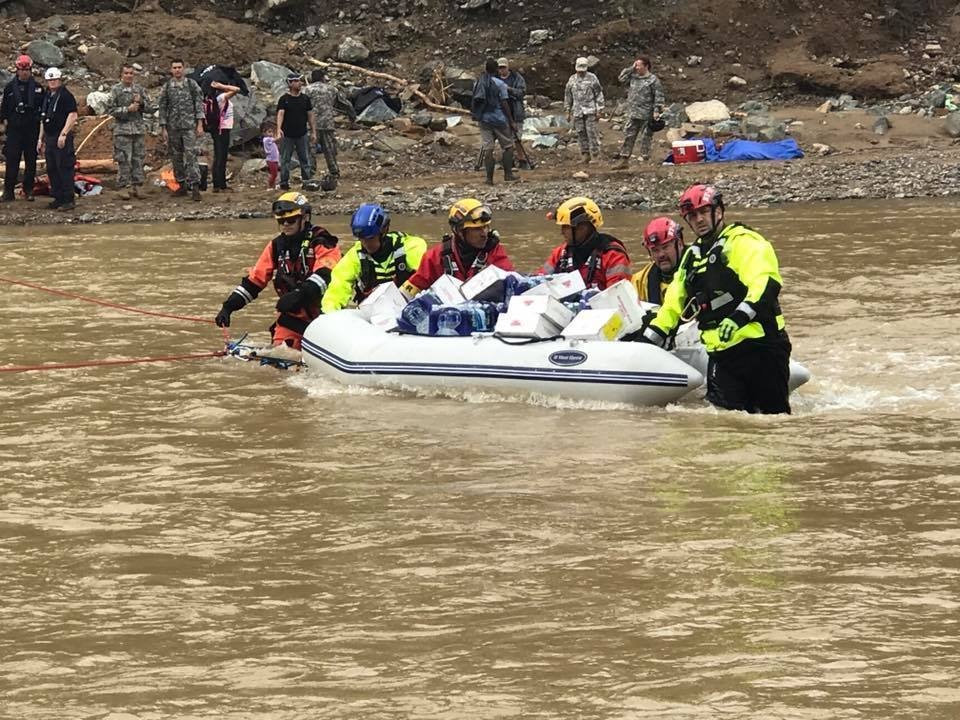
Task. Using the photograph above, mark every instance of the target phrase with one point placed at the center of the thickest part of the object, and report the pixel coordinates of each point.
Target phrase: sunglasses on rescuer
(292, 220)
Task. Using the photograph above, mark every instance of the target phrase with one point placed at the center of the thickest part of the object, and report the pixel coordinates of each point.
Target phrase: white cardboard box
(447, 288)
(560, 286)
(386, 299)
(526, 324)
(547, 305)
(622, 297)
(385, 322)
(600, 324)
(485, 285)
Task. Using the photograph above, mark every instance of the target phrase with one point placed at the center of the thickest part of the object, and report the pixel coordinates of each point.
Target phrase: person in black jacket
(20, 110)
(59, 118)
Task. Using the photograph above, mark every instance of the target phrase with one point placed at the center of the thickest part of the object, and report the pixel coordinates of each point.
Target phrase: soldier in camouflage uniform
(326, 99)
(181, 122)
(583, 100)
(128, 104)
(644, 105)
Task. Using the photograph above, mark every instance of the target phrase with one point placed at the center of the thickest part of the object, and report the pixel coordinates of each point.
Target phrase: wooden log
(95, 165)
(393, 79)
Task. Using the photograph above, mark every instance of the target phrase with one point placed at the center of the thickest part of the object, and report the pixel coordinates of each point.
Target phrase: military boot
(508, 166)
(489, 164)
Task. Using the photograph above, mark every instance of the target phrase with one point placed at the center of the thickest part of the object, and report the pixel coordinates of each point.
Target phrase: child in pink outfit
(272, 153)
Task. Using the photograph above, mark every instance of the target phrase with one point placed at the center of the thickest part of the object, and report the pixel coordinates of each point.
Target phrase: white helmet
(52, 74)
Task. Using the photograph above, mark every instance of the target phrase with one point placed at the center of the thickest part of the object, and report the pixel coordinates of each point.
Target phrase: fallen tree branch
(390, 78)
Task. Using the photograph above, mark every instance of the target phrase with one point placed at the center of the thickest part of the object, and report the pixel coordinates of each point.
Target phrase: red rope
(115, 306)
(100, 363)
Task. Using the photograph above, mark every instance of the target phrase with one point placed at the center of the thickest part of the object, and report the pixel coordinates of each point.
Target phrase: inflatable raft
(346, 348)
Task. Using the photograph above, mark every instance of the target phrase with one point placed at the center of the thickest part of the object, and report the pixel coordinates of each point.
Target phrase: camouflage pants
(182, 145)
(129, 152)
(328, 146)
(634, 127)
(588, 133)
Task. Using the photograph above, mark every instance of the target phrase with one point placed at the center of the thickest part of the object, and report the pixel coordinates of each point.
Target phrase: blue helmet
(370, 219)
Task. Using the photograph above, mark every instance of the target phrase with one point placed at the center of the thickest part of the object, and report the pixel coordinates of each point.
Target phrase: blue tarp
(734, 150)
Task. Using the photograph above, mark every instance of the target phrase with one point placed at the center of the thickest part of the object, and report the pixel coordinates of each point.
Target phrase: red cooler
(688, 151)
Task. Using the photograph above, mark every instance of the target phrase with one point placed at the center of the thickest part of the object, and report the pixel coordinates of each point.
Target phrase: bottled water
(415, 317)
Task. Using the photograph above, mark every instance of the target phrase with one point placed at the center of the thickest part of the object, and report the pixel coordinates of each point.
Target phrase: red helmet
(24, 62)
(698, 196)
(661, 231)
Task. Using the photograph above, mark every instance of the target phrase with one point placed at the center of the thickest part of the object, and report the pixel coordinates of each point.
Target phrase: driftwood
(95, 165)
(412, 87)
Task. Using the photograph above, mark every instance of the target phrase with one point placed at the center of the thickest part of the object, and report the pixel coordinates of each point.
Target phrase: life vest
(592, 263)
(449, 258)
(373, 273)
(715, 290)
(650, 283)
(293, 260)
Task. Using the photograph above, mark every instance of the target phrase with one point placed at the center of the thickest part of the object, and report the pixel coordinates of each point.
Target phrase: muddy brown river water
(212, 539)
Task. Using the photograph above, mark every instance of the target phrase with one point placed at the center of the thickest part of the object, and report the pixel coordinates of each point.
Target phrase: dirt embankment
(790, 54)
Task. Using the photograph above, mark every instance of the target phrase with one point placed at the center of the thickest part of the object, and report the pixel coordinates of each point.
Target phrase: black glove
(635, 336)
(312, 291)
(233, 303)
(290, 302)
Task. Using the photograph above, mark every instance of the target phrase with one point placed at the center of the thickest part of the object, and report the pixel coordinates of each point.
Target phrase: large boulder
(97, 101)
(709, 111)
(5, 77)
(104, 61)
(376, 113)
(249, 112)
(267, 75)
(352, 50)
(952, 124)
(45, 53)
(539, 37)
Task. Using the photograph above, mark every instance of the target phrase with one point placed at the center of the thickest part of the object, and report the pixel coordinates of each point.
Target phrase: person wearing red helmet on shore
(20, 109)
(663, 239)
(729, 281)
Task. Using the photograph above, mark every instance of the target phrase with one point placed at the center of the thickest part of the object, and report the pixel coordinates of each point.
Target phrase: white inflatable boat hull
(346, 348)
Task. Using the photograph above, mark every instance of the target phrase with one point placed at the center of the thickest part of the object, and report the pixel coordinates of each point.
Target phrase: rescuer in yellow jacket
(379, 255)
(729, 281)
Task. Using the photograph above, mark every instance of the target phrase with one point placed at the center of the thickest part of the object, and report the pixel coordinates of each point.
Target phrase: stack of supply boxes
(511, 305)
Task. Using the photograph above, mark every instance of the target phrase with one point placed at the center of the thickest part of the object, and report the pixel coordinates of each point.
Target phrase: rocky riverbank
(649, 189)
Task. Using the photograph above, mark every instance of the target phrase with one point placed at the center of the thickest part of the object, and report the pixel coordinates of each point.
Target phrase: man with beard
(663, 239)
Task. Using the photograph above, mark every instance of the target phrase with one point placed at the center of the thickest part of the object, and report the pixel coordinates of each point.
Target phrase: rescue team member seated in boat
(729, 280)
(601, 259)
(472, 247)
(663, 239)
(379, 255)
(299, 261)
